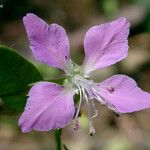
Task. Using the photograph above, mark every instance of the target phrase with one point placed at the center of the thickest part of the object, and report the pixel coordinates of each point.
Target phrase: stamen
(78, 110)
(92, 130)
(98, 96)
(113, 108)
(95, 110)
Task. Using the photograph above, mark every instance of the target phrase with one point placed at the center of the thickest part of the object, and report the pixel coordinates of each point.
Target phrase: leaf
(15, 72)
(15, 103)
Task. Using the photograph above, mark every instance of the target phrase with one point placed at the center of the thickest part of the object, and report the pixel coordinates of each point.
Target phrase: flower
(51, 106)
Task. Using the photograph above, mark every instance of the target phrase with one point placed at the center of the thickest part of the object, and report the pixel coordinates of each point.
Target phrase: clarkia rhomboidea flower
(51, 106)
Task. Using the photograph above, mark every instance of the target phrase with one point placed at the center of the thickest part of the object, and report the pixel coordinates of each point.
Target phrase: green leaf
(15, 72)
(58, 81)
(15, 103)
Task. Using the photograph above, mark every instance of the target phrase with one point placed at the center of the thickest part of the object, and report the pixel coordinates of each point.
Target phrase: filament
(79, 107)
(98, 96)
(95, 110)
(92, 130)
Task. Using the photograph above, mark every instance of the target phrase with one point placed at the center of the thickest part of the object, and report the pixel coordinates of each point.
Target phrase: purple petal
(49, 106)
(123, 93)
(49, 43)
(106, 44)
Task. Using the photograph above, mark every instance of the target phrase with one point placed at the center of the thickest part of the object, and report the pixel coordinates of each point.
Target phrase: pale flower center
(86, 89)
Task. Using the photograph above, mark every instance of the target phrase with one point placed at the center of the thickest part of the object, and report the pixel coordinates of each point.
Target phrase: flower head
(51, 106)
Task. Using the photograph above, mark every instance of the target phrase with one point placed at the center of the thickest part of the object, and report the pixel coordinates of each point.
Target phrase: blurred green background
(128, 132)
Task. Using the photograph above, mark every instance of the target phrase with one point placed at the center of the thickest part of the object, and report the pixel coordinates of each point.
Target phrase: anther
(117, 114)
(76, 125)
(92, 131)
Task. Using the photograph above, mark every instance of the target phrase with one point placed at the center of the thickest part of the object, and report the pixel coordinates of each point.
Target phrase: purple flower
(51, 106)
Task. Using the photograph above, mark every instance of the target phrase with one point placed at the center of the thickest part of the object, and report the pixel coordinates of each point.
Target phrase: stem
(58, 139)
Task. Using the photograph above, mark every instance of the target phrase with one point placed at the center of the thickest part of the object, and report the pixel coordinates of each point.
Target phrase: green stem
(58, 139)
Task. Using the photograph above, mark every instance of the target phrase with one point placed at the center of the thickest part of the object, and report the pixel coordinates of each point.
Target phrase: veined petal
(49, 43)
(123, 93)
(106, 44)
(49, 106)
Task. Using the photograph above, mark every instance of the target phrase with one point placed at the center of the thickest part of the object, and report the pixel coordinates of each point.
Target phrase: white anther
(92, 131)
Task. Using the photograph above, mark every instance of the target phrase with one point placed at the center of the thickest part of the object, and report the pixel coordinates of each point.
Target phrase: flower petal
(49, 106)
(106, 44)
(49, 43)
(123, 93)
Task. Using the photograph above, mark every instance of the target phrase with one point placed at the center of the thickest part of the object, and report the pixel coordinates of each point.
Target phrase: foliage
(16, 74)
